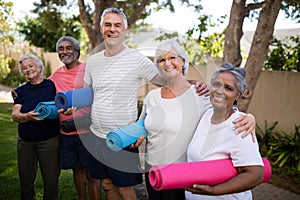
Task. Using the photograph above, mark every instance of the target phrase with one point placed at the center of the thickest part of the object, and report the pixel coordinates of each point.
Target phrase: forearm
(20, 117)
(158, 81)
(245, 180)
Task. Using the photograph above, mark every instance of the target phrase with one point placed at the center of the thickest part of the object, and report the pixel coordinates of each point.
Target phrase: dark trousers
(44, 153)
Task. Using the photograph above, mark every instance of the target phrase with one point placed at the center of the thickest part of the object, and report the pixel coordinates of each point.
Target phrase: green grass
(9, 186)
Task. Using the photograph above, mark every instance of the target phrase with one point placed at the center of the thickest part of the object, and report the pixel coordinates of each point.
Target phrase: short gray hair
(36, 60)
(69, 39)
(173, 46)
(116, 11)
(238, 73)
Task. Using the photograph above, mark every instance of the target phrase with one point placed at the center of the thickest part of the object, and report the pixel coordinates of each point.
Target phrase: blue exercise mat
(46, 110)
(125, 136)
(79, 98)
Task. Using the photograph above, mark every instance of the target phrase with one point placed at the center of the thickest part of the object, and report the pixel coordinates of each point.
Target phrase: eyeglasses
(164, 60)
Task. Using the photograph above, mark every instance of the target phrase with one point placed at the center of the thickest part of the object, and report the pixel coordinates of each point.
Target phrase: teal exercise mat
(79, 98)
(47, 110)
(123, 137)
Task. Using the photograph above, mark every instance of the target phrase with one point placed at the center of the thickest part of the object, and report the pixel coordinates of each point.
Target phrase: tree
(5, 36)
(269, 10)
(50, 15)
(284, 55)
(135, 10)
(49, 25)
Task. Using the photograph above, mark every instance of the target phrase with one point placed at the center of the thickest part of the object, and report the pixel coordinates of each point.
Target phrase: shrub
(279, 147)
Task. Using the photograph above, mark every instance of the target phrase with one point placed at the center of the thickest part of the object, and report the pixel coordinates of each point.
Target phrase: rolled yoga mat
(184, 175)
(125, 136)
(77, 123)
(79, 98)
(46, 110)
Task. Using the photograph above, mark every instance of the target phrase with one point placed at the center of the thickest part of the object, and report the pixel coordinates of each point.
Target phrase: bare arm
(19, 117)
(248, 178)
(158, 81)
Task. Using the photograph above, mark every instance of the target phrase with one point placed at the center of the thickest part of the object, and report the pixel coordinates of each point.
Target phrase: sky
(183, 19)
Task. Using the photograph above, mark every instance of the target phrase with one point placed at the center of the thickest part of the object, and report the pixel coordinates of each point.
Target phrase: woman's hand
(138, 142)
(245, 123)
(32, 116)
(201, 87)
(67, 112)
(201, 189)
(14, 93)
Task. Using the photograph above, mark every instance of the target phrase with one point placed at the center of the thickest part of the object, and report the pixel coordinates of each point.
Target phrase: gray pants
(46, 154)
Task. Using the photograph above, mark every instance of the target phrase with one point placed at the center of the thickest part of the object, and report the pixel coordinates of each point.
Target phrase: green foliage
(285, 55)
(47, 28)
(49, 25)
(281, 148)
(285, 148)
(292, 9)
(211, 45)
(8, 164)
(5, 18)
(4, 68)
(264, 136)
(13, 78)
(5, 37)
(198, 43)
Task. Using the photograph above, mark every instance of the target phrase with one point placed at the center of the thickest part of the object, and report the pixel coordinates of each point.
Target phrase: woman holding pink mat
(214, 139)
(171, 115)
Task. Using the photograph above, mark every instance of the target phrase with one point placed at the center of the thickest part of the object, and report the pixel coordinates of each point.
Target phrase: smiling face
(170, 64)
(113, 30)
(67, 53)
(30, 69)
(224, 91)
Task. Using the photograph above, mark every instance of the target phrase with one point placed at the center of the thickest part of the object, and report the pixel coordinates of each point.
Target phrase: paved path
(262, 192)
(5, 94)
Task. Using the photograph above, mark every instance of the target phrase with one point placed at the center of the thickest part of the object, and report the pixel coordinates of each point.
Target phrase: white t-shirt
(115, 81)
(218, 141)
(171, 124)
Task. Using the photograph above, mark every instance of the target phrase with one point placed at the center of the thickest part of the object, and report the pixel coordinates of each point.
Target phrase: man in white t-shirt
(115, 75)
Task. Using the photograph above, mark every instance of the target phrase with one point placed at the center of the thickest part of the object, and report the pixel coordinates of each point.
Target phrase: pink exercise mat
(184, 175)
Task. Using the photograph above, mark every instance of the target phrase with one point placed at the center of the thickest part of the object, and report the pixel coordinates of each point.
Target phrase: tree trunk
(91, 22)
(259, 48)
(234, 33)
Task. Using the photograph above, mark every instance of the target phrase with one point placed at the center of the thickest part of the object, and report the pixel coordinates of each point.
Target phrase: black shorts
(122, 167)
(73, 153)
